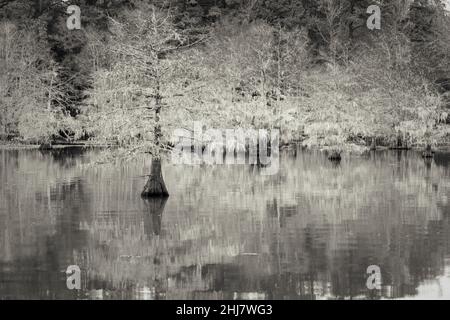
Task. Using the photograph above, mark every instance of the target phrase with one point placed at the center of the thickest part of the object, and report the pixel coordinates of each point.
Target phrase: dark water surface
(226, 232)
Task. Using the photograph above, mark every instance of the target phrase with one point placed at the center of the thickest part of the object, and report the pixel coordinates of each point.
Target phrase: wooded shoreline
(5, 145)
(313, 70)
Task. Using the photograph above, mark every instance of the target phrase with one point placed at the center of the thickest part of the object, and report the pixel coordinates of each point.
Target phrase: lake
(225, 232)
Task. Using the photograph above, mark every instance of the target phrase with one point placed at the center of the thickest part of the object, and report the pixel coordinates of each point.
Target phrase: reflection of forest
(307, 233)
(226, 232)
(42, 204)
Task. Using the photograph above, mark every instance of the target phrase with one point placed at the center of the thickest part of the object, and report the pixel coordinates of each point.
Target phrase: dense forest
(137, 70)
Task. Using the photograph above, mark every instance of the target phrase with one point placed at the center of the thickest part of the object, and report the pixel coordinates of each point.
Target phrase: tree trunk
(155, 186)
(399, 140)
(428, 153)
(46, 146)
(335, 156)
(373, 145)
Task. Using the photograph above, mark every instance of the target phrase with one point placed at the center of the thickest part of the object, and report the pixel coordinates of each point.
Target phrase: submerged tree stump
(428, 153)
(334, 156)
(373, 145)
(401, 142)
(155, 186)
(46, 146)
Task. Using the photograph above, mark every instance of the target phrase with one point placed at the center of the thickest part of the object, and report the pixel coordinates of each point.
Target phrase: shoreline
(4, 145)
(25, 146)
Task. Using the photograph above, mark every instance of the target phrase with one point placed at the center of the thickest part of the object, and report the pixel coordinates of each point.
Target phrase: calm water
(309, 232)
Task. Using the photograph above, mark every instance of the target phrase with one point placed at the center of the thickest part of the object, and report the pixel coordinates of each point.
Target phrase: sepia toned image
(219, 150)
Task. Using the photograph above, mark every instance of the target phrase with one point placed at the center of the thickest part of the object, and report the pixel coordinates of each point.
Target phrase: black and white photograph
(224, 150)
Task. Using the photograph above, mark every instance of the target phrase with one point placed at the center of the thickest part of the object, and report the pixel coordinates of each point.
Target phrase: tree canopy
(310, 68)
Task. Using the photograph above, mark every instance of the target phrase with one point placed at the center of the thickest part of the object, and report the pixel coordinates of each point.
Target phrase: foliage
(309, 68)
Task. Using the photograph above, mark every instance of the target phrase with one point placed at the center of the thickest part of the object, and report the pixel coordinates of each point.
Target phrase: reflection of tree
(65, 157)
(152, 218)
(442, 159)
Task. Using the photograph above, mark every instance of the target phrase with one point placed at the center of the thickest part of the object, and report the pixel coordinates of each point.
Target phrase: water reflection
(309, 232)
(153, 215)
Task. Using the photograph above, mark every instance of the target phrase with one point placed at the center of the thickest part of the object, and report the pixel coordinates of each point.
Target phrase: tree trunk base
(155, 186)
(334, 156)
(46, 146)
(373, 145)
(428, 153)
